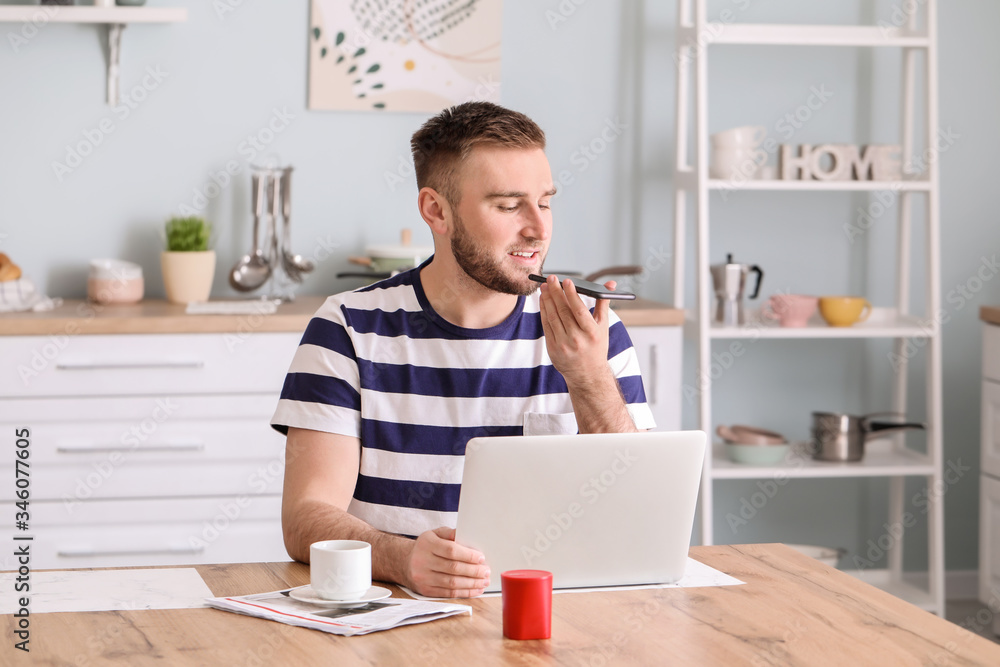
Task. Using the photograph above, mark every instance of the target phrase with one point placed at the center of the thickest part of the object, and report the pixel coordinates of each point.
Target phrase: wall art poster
(403, 55)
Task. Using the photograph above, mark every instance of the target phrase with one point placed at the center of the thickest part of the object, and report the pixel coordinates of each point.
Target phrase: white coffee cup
(748, 136)
(340, 569)
(736, 163)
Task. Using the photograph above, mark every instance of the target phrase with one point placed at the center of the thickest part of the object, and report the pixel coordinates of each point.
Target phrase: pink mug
(792, 310)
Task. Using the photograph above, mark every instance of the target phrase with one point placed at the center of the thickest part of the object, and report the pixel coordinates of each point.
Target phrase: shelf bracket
(114, 61)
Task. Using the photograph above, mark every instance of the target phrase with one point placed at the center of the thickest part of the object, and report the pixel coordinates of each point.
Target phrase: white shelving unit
(891, 458)
(115, 18)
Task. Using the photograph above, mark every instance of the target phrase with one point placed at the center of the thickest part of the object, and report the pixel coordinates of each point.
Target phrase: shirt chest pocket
(541, 423)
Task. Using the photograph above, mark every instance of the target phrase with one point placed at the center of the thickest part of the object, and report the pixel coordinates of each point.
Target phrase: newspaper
(372, 617)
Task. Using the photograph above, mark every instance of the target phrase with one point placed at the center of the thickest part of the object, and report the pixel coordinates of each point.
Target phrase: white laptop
(595, 510)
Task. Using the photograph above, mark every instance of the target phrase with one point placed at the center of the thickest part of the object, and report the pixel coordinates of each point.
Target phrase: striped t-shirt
(381, 365)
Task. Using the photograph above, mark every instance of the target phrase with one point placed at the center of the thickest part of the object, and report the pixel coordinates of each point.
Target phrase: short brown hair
(447, 139)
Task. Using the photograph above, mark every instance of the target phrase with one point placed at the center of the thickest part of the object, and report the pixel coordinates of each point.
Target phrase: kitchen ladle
(252, 270)
(294, 265)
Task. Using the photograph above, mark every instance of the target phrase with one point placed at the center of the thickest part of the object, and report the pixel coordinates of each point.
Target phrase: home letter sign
(836, 162)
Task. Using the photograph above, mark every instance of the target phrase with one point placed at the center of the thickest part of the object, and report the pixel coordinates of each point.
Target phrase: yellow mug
(843, 311)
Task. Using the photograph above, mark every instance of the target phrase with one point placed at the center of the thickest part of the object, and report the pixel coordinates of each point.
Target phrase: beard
(485, 268)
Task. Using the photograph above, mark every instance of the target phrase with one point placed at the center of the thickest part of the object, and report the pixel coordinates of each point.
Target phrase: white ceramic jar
(114, 281)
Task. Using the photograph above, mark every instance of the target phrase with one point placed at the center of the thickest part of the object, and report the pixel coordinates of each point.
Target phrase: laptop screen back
(595, 509)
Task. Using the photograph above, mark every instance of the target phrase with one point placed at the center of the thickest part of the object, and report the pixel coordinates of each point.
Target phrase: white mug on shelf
(748, 136)
(736, 163)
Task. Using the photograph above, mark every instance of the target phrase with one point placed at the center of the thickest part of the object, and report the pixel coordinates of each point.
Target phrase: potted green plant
(188, 265)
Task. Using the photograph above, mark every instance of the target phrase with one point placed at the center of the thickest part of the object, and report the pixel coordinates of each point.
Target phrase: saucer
(307, 594)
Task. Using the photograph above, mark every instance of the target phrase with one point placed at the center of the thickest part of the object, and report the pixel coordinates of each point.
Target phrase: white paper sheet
(103, 590)
(696, 575)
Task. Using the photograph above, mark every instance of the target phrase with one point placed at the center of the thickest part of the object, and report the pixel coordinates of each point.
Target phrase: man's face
(503, 223)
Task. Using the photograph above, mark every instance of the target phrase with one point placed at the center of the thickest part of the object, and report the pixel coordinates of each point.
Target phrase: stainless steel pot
(841, 437)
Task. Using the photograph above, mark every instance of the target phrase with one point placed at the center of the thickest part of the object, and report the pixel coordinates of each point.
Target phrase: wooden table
(792, 611)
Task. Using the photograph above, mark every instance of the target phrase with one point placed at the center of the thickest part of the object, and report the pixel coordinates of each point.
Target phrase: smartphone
(588, 288)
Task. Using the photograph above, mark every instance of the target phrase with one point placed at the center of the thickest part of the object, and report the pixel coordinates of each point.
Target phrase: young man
(391, 381)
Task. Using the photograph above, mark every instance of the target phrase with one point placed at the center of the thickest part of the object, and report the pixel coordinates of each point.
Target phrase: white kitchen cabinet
(658, 349)
(989, 486)
(152, 531)
(990, 428)
(147, 448)
(989, 545)
(991, 352)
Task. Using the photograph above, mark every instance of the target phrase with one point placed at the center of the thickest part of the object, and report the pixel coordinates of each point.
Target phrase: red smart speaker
(527, 604)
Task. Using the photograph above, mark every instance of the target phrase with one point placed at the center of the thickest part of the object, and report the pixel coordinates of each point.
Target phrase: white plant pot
(187, 276)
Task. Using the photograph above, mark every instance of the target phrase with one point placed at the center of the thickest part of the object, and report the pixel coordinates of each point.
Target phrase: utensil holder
(279, 286)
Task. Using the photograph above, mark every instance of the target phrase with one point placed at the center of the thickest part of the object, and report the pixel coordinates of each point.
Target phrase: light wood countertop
(646, 313)
(990, 314)
(792, 610)
(153, 316)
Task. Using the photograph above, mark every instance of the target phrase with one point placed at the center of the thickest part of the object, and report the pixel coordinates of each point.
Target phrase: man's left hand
(577, 341)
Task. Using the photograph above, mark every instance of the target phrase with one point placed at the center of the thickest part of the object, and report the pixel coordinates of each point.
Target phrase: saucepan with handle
(837, 436)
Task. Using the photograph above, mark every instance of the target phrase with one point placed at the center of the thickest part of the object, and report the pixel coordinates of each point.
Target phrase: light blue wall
(226, 75)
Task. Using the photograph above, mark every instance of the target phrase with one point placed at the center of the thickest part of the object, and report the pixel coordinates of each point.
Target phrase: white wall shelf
(114, 18)
(697, 37)
(72, 14)
(803, 35)
(799, 465)
(821, 186)
(883, 323)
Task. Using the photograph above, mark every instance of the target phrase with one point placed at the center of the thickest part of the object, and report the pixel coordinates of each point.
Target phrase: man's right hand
(440, 567)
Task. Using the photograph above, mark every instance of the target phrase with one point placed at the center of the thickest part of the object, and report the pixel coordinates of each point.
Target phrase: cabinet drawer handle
(90, 449)
(82, 552)
(96, 365)
(652, 374)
